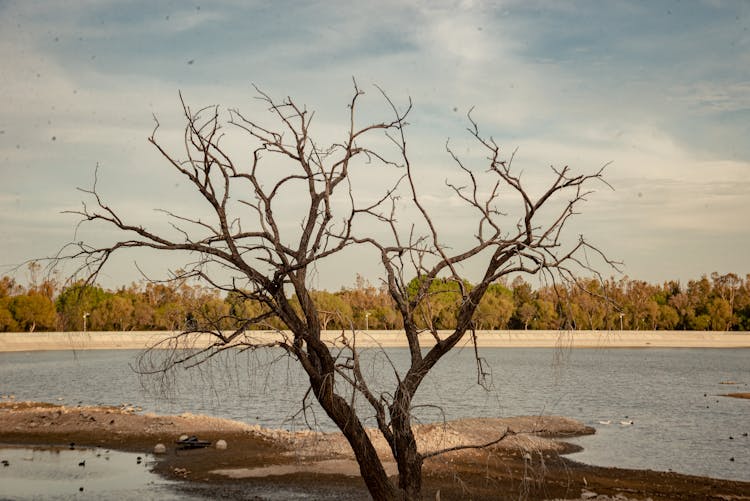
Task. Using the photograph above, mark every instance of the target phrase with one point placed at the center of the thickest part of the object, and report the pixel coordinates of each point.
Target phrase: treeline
(718, 302)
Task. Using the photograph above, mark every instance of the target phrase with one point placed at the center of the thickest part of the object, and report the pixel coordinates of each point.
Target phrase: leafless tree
(247, 248)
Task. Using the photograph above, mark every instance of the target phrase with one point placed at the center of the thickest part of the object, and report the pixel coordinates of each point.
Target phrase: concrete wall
(26, 341)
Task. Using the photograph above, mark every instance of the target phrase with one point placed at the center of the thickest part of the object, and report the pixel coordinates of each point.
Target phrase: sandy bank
(37, 341)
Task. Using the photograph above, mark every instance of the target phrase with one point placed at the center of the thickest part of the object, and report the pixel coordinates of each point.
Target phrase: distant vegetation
(718, 302)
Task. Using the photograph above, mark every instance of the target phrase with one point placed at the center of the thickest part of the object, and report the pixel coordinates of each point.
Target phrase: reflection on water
(61, 474)
(670, 394)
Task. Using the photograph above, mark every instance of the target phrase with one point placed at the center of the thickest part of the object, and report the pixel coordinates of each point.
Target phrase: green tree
(7, 322)
(668, 317)
(441, 302)
(33, 311)
(720, 311)
(495, 308)
(524, 309)
(75, 301)
(335, 313)
(114, 312)
(742, 305)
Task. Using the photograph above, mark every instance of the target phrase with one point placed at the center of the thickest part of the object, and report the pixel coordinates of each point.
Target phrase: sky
(659, 91)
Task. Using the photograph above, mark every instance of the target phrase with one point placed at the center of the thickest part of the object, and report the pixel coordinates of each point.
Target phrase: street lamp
(621, 315)
(367, 321)
(85, 316)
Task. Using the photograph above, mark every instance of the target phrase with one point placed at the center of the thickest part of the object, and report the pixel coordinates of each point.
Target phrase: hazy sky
(659, 89)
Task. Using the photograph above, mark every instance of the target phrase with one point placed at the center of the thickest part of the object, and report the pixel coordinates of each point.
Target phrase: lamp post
(367, 321)
(85, 316)
(621, 315)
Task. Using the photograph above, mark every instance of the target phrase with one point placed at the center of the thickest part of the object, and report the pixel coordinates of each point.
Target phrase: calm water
(82, 474)
(662, 390)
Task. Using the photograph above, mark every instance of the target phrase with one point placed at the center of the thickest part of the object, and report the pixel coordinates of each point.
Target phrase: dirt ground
(528, 464)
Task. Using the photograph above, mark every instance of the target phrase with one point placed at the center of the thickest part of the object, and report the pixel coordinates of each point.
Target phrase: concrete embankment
(37, 341)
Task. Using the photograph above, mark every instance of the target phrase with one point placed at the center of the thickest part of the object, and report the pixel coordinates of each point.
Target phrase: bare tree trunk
(407, 457)
(370, 465)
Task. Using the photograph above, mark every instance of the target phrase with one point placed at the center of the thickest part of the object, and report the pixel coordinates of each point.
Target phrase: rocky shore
(529, 462)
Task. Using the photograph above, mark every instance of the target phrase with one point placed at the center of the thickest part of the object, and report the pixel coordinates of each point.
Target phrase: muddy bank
(528, 462)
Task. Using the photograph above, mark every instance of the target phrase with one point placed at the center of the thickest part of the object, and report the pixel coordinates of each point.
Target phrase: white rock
(160, 449)
(221, 445)
(183, 437)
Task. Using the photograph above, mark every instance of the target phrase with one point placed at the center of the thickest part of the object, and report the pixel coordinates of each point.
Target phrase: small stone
(183, 437)
(160, 449)
(221, 445)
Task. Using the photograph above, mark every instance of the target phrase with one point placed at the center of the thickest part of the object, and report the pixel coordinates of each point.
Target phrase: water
(62, 474)
(662, 390)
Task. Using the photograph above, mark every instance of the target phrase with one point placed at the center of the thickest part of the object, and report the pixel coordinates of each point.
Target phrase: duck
(606, 421)
(627, 422)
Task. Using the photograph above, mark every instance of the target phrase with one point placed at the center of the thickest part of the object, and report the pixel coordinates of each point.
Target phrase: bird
(607, 421)
(626, 422)
(82, 463)
(5, 462)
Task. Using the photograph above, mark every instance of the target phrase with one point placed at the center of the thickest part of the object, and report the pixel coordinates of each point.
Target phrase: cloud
(661, 92)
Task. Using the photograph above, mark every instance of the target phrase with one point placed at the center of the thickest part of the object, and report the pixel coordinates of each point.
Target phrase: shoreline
(258, 461)
(139, 340)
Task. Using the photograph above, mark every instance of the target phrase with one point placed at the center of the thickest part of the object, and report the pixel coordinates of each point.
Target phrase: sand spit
(125, 422)
(296, 452)
(37, 341)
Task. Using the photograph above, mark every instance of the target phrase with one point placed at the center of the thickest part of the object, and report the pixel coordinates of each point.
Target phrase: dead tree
(245, 246)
